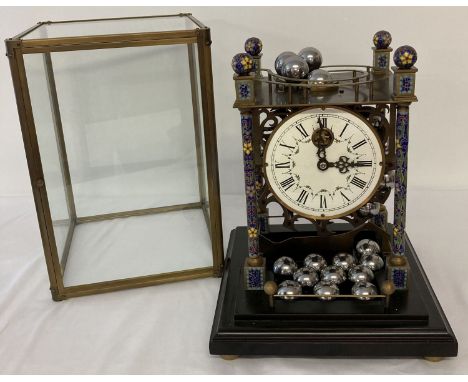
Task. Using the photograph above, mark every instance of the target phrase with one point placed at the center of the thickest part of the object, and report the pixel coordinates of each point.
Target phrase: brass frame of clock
(404, 319)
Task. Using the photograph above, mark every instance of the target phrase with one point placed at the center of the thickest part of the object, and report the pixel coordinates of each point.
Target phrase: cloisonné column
(404, 81)
(244, 80)
(398, 268)
(250, 180)
(401, 161)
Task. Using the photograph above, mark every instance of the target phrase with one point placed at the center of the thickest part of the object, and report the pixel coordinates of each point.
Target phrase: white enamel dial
(351, 169)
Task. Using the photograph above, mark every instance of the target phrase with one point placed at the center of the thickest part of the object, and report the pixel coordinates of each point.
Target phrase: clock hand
(321, 139)
(343, 164)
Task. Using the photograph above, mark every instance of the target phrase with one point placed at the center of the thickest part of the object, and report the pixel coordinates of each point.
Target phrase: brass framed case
(198, 41)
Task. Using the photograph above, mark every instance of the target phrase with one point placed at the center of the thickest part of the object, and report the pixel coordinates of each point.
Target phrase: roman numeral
(323, 201)
(359, 144)
(344, 128)
(322, 122)
(302, 130)
(287, 146)
(358, 182)
(364, 163)
(344, 196)
(287, 183)
(303, 197)
(282, 165)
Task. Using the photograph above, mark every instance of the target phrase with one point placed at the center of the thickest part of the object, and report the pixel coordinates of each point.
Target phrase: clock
(324, 163)
(321, 267)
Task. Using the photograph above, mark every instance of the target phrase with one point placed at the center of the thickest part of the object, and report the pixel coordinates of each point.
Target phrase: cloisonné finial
(405, 57)
(242, 64)
(253, 46)
(382, 39)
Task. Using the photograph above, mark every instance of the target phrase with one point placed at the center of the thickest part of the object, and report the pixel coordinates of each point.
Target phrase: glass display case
(117, 117)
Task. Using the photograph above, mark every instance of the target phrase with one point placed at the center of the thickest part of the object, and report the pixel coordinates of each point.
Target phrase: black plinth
(414, 325)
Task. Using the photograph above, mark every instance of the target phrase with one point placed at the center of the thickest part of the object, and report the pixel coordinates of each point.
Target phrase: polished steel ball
(306, 277)
(333, 274)
(253, 46)
(364, 289)
(360, 273)
(294, 67)
(284, 266)
(315, 261)
(319, 76)
(326, 290)
(280, 60)
(344, 260)
(371, 208)
(367, 247)
(373, 262)
(405, 57)
(288, 288)
(382, 39)
(388, 179)
(242, 64)
(312, 56)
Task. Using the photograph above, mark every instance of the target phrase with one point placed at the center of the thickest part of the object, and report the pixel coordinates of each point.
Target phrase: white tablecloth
(165, 329)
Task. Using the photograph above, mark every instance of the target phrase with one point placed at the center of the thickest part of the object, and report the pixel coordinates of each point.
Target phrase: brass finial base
(398, 261)
(255, 261)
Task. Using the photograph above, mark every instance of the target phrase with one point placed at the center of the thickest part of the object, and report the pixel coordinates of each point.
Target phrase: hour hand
(343, 164)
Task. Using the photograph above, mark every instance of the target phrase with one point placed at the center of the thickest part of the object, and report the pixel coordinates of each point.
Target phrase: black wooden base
(414, 325)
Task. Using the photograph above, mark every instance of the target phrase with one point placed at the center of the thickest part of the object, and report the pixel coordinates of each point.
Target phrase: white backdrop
(37, 335)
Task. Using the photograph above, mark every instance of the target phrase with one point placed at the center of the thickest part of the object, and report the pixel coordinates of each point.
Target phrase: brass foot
(229, 357)
(433, 359)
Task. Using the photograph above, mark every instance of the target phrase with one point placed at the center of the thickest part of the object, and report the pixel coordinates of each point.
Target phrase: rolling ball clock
(319, 270)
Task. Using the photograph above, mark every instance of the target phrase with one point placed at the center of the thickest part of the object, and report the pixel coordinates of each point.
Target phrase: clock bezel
(322, 217)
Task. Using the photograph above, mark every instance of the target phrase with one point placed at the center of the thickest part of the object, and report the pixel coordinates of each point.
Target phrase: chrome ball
(315, 261)
(280, 60)
(319, 76)
(294, 67)
(388, 179)
(284, 266)
(360, 273)
(344, 260)
(372, 208)
(312, 56)
(288, 288)
(326, 290)
(373, 262)
(306, 277)
(364, 289)
(333, 274)
(367, 247)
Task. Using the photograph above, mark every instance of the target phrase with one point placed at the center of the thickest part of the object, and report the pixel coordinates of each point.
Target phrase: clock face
(323, 163)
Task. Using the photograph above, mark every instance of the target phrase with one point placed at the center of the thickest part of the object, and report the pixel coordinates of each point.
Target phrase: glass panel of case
(130, 128)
